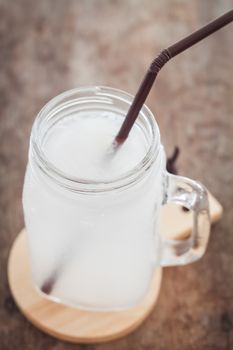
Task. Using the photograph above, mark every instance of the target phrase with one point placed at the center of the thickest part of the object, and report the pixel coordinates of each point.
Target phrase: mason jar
(95, 243)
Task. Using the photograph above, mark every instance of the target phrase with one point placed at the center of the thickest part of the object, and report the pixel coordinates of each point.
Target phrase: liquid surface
(78, 145)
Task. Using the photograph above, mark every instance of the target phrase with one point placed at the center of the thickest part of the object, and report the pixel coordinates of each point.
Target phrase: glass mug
(95, 244)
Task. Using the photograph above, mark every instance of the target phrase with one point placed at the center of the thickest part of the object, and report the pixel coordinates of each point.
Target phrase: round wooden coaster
(67, 323)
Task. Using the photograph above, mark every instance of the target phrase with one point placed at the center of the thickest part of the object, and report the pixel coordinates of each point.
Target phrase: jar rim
(85, 185)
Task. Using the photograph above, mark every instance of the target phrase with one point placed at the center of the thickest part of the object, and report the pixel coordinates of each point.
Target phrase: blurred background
(47, 47)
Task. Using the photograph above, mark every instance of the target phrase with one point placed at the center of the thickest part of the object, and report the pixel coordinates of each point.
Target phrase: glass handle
(193, 196)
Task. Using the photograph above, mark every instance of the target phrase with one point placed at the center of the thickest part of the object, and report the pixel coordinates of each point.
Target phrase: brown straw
(158, 63)
(141, 96)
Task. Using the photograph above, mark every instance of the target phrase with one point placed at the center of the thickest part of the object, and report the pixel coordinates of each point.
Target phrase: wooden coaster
(67, 323)
(81, 326)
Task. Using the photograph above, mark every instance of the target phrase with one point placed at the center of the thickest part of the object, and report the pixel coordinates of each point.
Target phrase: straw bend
(160, 61)
(141, 95)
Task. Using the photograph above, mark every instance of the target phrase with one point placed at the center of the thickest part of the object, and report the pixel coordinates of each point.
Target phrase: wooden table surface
(47, 47)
